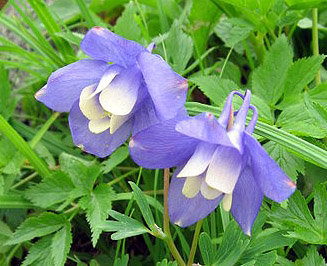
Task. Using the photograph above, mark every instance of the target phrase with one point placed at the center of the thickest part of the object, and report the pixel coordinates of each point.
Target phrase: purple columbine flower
(217, 160)
(108, 101)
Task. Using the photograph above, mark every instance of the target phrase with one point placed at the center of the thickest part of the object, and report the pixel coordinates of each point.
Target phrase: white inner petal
(116, 121)
(199, 161)
(97, 126)
(224, 169)
(227, 202)
(209, 192)
(105, 80)
(90, 106)
(192, 186)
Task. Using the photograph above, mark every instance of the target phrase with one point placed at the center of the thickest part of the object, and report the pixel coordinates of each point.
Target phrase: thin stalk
(315, 41)
(118, 179)
(25, 180)
(168, 239)
(194, 242)
(24, 148)
(44, 129)
(225, 63)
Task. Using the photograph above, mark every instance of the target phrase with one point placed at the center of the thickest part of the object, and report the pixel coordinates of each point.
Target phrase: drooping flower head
(217, 160)
(123, 88)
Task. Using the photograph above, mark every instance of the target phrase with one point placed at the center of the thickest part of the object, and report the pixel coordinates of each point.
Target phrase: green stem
(225, 63)
(168, 239)
(194, 243)
(24, 148)
(25, 180)
(118, 179)
(315, 42)
(44, 129)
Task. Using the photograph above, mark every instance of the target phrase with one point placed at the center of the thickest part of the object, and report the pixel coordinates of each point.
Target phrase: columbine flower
(108, 101)
(216, 160)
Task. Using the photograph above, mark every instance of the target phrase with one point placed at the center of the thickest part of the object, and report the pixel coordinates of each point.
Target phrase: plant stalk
(169, 240)
(315, 41)
(194, 242)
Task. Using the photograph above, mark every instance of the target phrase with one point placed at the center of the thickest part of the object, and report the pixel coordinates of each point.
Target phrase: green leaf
(82, 173)
(304, 4)
(316, 111)
(5, 234)
(206, 248)
(300, 74)
(124, 226)
(127, 26)
(297, 120)
(233, 30)
(143, 205)
(71, 37)
(320, 208)
(60, 245)
(319, 94)
(115, 159)
(179, 47)
(97, 206)
(313, 258)
(268, 258)
(233, 245)
(268, 79)
(123, 261)
(39, 253)
(14, 201)
(215, 88)
(298, 221)
(165, 262)
(291, 164)
(52, 190)
(42, 225)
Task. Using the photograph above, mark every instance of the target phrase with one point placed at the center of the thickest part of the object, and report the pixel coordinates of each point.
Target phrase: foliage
(61, 206)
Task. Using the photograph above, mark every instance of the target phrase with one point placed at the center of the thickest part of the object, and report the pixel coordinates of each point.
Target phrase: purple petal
(161, 146)
(145, 116)
(227, 112)
(167, 89)
(270, 177)
(239, 122)
(187, 211)
(65, 85)
(250, 128)
(102, 44)
(246, 202)
(204, 127)
(120, 96)
(102, 144)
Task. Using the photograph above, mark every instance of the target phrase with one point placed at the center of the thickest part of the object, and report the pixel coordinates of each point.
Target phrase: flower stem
(315, 42)
(169, 241)
(194, 243)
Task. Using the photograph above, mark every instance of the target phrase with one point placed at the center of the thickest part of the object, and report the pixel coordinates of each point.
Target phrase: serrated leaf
(233, 30)
(206, 248)
(82, 173)
(291, 164)
(42, 225)
(313, 258)
(268, 79)
(143, 205)
(179, 47)
(39, 253)
(298, 221)
(266, 259)
(300, 74)
(320, 208)
(297, 120)
(319, 94)
(233, 245)
(124, 226)
(52, 190)
(214, 88)
(115, 159)
(60, 245)
(126, 25)
(97, 206)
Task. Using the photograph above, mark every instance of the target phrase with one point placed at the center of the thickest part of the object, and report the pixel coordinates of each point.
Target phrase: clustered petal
(122, 89)
(220, 161)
